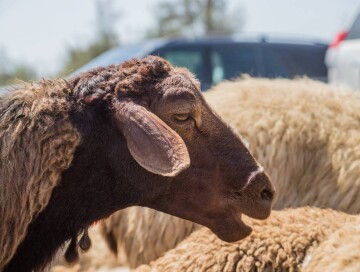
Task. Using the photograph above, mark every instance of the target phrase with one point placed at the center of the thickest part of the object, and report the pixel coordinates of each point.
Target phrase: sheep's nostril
(267, 194)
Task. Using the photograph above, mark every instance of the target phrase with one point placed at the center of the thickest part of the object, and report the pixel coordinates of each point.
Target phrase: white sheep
(280, 243)
(339, 252)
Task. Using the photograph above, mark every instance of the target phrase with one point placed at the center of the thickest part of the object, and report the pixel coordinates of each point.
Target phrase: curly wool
(37, 143)
(277, 244)
(306, 135)
(340, 252)
(132, 77)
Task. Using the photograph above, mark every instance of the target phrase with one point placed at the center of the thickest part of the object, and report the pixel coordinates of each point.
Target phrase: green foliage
(18, 73)
(76, 57)
(195, 17)
(12, 72)
(106, 38)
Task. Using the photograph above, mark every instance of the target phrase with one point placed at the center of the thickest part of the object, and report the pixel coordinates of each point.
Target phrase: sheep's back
(277, 244)
(340, 252)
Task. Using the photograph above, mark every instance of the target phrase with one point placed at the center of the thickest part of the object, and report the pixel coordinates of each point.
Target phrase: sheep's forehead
(180, 93)
(179, 84)
(178, 80)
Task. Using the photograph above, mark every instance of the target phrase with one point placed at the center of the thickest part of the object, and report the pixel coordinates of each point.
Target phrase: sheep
(304, 132)
(340, 252)
(138, 133)
(280, 243)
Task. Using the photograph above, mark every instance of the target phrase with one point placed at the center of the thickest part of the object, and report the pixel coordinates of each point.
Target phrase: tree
(11, 72)
(105, 34)
(196, 17)
(18, 73)
(106, 17)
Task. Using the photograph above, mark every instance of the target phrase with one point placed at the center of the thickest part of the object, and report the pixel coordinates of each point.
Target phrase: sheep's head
(178, 156)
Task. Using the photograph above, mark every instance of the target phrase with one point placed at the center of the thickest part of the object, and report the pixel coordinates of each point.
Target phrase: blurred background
(42, 38)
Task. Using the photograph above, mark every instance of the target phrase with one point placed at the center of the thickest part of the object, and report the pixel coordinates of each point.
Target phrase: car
(213, 59)
(343, 56)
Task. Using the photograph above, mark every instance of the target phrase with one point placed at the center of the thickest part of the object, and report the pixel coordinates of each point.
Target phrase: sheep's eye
(182, 117)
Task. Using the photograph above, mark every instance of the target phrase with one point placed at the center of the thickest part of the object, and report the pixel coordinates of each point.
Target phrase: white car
(343, 57)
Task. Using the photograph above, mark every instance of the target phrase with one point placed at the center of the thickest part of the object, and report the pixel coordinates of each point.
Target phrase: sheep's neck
(90, 190)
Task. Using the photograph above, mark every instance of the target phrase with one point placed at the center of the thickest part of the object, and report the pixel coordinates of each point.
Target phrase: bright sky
(39, 31)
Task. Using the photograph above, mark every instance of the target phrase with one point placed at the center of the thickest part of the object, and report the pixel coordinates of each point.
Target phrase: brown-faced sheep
(73, 153)
(305, 133)
(340, 252)
(280, 243)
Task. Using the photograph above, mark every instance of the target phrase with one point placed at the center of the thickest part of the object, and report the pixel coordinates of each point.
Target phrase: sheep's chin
(232, 230)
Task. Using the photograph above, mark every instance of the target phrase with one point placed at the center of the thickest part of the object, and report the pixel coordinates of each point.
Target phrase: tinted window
(294, 60)
(231, 60)
(354, 32)
(189, 57)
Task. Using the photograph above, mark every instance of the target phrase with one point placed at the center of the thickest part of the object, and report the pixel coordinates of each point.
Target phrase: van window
(294, 60)
(192, 59)
(231, 60)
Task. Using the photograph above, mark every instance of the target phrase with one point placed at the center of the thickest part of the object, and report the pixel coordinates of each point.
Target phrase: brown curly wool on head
(132, 77)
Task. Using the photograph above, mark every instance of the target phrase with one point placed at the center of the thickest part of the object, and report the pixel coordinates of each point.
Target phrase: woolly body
(277, 244)
(340, 252)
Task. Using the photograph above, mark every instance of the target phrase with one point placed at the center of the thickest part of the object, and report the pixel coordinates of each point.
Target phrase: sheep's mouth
(231, 229)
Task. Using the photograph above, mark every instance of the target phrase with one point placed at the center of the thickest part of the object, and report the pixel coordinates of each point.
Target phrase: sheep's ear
(152, 143)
